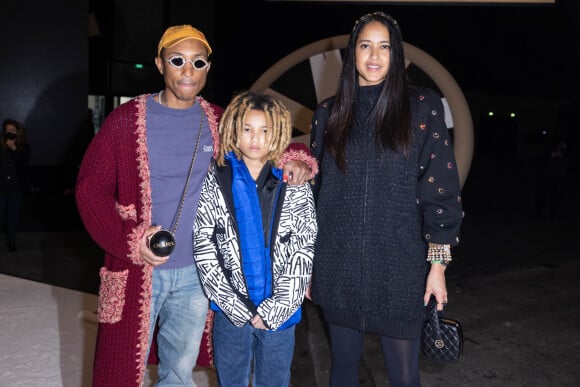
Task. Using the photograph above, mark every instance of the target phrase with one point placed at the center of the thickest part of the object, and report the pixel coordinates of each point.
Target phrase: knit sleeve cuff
(299, 152)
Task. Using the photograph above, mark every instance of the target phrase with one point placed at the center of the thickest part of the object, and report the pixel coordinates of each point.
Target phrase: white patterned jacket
(217, 251)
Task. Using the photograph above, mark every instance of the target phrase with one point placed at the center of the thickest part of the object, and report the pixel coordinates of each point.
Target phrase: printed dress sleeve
(438, 188)
(311, 156)
(317, 128)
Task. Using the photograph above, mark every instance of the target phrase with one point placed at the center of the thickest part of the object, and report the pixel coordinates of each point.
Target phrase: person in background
(388, 205)
(14, 179)
(254, 238)
(149, 153)
(551, 174)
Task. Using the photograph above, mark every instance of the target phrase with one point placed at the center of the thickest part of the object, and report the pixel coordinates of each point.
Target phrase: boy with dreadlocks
(254, 238)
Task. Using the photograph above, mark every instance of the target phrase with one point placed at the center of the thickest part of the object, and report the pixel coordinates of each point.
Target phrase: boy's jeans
(234, 348)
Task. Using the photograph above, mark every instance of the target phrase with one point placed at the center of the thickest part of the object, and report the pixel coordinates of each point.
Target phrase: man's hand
(296, 172)
(146, 253)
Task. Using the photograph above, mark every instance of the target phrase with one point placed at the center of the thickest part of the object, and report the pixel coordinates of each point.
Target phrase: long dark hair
(20, 134)
(390, 115)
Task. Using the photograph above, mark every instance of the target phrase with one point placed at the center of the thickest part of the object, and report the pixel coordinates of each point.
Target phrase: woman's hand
(11, 144)
(436, 286)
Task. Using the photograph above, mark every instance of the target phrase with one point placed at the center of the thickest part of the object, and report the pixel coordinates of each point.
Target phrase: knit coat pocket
(111, 295)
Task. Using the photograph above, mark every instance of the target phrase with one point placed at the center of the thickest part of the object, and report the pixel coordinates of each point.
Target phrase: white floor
(47, 337)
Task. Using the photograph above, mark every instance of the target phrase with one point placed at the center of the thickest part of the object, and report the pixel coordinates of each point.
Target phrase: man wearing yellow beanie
(143, 172)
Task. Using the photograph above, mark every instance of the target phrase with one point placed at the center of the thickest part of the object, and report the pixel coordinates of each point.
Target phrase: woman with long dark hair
(14, 183)
(388, 205)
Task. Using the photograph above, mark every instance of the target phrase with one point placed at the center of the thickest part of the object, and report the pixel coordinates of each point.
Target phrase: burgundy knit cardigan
(113, 195)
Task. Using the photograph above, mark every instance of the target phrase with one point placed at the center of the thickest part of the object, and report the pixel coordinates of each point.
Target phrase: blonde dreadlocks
(278, 119)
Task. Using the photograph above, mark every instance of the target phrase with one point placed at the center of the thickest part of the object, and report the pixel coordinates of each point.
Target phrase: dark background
(506, 58)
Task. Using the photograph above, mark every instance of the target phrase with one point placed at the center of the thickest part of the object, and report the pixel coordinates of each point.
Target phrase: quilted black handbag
(441, 337)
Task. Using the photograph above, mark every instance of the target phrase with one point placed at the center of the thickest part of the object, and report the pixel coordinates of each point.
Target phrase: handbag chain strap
(184, 193)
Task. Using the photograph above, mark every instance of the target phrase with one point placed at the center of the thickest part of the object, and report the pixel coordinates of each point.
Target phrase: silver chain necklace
(184, 194)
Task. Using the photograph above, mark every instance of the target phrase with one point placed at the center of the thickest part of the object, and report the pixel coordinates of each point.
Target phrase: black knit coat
(376, 220)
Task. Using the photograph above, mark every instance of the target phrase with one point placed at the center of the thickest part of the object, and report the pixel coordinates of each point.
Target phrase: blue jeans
(234, 348)
(180, 304)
